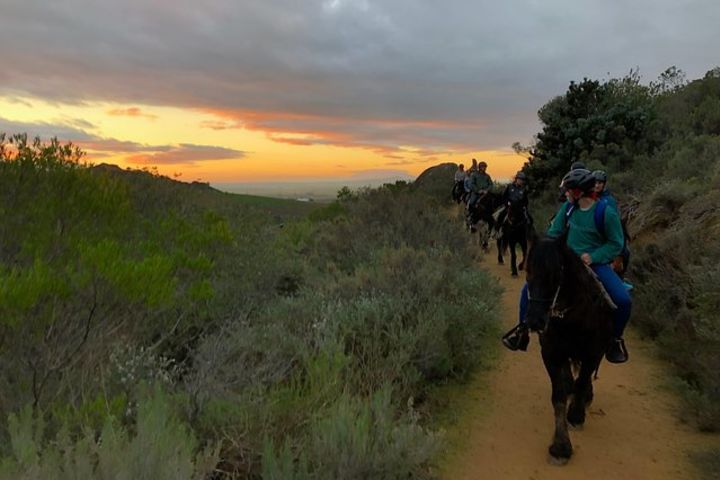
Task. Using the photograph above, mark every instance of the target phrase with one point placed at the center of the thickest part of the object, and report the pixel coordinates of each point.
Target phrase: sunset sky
(283, 90)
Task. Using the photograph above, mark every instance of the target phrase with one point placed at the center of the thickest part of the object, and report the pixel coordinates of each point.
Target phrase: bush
(323, 332)
(355, 439)
(389, 300)
(677, 301)
(160, 448)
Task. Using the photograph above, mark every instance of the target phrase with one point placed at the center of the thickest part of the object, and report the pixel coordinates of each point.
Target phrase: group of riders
(588, 220)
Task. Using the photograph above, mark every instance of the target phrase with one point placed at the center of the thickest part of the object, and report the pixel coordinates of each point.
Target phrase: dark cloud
(373, 73)
(45, 130)
(186, 153)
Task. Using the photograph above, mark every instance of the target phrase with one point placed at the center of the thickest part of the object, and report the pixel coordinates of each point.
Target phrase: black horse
(573, 316)
(483, 211)
(515, 230)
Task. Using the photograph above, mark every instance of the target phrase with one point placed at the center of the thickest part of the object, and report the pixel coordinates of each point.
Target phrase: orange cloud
(218, 125)
(131, 112)
(381, 135)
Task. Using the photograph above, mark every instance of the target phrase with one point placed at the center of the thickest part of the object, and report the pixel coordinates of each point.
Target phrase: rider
(594, 248)
(458, 188)
(604, 195)
(514, 192)
(577, 165)
(602, 191)
(480, 184)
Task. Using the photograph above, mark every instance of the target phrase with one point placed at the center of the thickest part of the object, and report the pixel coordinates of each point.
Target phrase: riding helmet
(577, 166)
(600, 176)
(482, 164)
(580, 178)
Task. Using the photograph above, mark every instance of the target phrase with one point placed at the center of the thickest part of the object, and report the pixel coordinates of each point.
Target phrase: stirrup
(617, 352)
(517, 338)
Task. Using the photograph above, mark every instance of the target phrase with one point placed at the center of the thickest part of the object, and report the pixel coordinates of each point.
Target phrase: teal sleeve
(557, 227)
(614, 239)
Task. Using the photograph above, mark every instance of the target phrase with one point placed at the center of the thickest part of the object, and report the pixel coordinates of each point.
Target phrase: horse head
(547, 266)
(516, 212)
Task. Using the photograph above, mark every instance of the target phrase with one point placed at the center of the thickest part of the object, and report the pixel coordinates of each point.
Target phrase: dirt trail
(631, 431)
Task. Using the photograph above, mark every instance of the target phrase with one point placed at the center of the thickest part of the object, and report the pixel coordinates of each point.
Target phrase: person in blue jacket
(602, 191)
(604, 195)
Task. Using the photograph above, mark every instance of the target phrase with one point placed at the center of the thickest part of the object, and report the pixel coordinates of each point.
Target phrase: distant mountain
(437, 181)
(154, 189)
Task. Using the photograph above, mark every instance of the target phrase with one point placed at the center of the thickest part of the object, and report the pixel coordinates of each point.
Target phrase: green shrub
(160, 447)
(355, 439)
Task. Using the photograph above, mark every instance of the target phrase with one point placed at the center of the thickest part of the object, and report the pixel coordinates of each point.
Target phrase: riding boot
(517, 339)
(617, 353)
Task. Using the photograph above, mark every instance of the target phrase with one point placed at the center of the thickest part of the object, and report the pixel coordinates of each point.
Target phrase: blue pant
(615, 289)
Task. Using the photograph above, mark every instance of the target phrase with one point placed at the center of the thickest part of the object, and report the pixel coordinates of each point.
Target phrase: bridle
(553, 311)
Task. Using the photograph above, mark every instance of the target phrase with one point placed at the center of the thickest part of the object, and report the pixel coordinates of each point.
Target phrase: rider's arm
(615, 239)
(557, 227)
(487, 183)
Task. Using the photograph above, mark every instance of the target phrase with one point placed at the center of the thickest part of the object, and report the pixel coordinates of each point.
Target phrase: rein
(553, 311)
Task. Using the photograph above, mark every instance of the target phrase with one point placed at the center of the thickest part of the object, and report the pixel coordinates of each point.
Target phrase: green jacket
(583, 236)
(480, 181)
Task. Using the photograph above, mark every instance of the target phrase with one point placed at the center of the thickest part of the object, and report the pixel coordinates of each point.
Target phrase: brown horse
(573, 316)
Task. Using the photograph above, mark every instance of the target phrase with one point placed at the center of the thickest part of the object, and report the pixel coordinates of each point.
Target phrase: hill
(199, 194)
(436, 181)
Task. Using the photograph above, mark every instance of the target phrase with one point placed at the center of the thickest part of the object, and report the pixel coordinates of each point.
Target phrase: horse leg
(523, 246)
(488, 231)
(513, 258)
(582, 393)
(561, 378)
(500, 251)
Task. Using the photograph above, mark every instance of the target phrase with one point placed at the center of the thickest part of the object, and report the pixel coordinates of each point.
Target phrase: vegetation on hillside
(660, 144)
(164, 328)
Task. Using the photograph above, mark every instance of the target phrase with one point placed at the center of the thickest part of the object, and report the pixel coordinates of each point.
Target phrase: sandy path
(631, 432)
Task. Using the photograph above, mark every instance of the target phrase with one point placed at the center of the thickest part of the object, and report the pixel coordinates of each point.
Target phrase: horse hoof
(558, 461)
(500, 262)
(560, 453)
(579, 427)
(514, 274)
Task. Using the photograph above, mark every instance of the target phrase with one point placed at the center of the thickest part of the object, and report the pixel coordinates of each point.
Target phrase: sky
(287, 90)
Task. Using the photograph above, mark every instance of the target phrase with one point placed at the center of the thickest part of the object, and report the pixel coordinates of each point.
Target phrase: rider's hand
(585, 257)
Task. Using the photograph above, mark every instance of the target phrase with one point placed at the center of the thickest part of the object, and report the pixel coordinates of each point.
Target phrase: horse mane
(579, 286)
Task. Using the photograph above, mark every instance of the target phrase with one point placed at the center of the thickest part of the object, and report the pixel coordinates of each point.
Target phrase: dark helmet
(580, 178)
(521, 176)
(577, 166)
(600, 176)
(482, 164)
